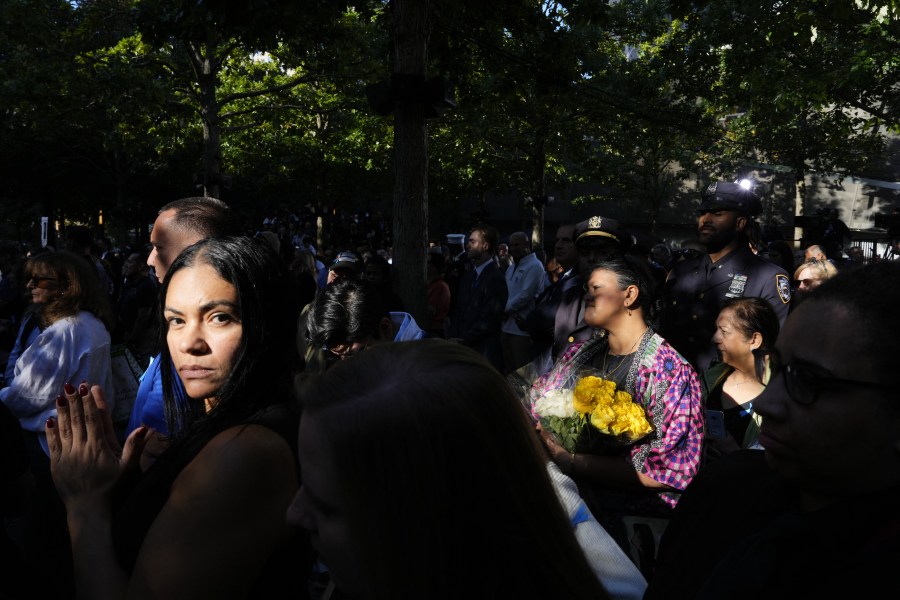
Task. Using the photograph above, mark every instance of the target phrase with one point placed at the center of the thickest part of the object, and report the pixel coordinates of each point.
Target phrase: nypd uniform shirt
(696, 288)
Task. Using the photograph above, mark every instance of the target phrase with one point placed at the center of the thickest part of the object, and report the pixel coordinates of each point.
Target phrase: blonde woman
(810, 275)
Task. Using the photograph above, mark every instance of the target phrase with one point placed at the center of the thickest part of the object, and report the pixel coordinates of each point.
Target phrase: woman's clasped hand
(86, 458)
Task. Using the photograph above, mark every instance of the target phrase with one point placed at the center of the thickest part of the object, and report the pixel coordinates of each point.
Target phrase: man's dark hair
(207, 216)
(347, 311)
(491, 235)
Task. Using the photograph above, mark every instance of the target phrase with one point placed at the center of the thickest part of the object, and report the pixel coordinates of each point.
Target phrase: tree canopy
(121, 105)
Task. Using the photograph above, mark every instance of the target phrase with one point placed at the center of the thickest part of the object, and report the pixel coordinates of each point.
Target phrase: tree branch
(262, 92)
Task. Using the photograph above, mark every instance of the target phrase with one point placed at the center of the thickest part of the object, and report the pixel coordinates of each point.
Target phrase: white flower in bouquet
(556, 403)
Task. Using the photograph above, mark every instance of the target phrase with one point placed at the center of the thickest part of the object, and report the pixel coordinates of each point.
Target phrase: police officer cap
(598, 229)
(345, 260)
(723, 195)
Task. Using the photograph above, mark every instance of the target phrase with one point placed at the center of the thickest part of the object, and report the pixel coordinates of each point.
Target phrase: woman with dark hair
(351, 315)
(645, 478)
(746, 330)
(431, 485)
(206, 518)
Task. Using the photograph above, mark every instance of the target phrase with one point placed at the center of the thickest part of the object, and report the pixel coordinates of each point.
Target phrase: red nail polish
(51, 423)
(69, 388)
(82, 389)
(61, 401)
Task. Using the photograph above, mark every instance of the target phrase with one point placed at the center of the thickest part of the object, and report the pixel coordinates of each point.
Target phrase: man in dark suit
(540, 322)
(481, 297)
(697, 287)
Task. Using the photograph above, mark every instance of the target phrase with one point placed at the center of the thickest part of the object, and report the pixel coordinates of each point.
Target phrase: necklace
(735, 383)
(607, 375)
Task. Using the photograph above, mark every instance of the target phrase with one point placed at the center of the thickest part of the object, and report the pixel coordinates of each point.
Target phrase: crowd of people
(296, 432)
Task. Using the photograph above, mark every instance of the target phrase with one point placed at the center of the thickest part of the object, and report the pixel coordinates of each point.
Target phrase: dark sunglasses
(37, 279)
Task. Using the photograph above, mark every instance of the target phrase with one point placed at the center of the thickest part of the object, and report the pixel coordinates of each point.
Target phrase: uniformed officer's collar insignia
(594, 222)
(784, 288)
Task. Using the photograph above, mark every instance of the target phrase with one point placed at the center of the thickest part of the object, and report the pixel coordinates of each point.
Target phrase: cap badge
(595, 222)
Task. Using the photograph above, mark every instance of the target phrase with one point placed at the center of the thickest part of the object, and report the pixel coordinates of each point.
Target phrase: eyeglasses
(804, 382)
(37, 279)
(345, 351)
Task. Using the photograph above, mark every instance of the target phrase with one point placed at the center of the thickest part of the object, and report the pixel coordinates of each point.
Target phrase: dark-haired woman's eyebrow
(212, 304)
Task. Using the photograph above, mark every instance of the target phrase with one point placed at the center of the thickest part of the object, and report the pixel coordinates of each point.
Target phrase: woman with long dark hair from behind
(423, 478)
(206, 518)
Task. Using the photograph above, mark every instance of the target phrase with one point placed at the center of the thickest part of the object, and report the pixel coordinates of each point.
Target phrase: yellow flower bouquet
(592, 416)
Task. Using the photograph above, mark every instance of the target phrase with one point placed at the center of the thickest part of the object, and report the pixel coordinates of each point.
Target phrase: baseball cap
(724, 195)
(596, 229)
(345, 260)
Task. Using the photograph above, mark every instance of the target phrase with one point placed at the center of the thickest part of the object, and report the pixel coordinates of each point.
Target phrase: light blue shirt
(406, 326)
(524, 280)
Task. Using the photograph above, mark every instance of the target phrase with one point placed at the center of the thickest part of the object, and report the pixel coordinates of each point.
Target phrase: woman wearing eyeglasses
(64, 341)
(813, 515)
(809, 276)
(646, 478)
(746, 330)
(74, 318)
(351, 315)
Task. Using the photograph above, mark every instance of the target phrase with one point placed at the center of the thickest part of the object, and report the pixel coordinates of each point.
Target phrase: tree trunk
(537, 227)
(539, 202)
(206, 73)
(212, 151)
(799, 201)
(410, 220)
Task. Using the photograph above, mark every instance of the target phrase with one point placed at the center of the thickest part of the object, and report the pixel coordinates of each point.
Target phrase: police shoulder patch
(783, 284)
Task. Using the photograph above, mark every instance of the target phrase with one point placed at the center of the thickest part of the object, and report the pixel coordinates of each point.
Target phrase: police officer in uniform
(596, 239)
(696, 287)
